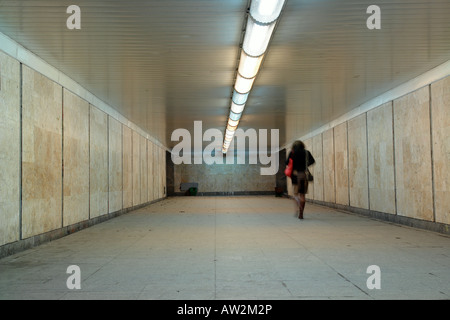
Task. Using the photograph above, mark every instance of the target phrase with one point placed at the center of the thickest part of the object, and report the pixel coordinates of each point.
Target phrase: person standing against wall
(301, 159)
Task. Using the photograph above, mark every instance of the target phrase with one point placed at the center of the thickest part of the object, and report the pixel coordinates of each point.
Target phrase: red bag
(289, 167)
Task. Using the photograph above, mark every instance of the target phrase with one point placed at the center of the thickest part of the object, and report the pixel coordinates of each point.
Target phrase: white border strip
(418, 82)
(18, 52)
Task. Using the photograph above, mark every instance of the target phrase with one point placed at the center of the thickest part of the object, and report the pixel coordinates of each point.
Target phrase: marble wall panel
(381, 159)
(318, 167)
(150, 195)
(98, 172)
(9, 149)
(115, 165)
(341, 163)
(127, 162)
(76, 159)
(440, 111)
(136, 137)
(155, 172)
(158, 183)
(309, 146)
(412, 143)
(144, 170)
(41, 154)
(163, 172)
(357, 150)
(157, 180)
(413, 155)
(223, 177)
(329, 193)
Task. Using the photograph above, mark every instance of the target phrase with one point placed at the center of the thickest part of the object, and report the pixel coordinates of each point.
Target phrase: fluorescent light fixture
(235, 116)
(233, 123)
(229, 133)
(239, 98)
(229, 136)
(257, 37)
(260, 25)
(243, 85)
(249, 66)
(237, 108)
(266, 11)
(231, 128)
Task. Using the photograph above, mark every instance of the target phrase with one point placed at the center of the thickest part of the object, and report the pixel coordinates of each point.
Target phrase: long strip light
(261, 22)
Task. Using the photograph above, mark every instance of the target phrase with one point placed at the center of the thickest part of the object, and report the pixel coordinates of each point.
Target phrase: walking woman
(301, 159)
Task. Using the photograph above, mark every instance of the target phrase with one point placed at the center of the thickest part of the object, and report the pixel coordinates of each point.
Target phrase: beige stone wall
(317, 185)
(144, 170)
(115, 159)
(136, 168)
(329, 193)
(413, 155)
(98, 162)
(357, 150)
(309, 146)
(440, 97)
(41, 154)
(341, 164)
(74, 167)
(127, 163)
(151, 187)
(381, 159)
(155, 172)
(223, 177)
(9, 149)
(76, 159)
(394, 158)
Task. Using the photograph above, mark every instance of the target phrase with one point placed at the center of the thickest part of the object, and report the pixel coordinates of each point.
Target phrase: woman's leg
(296, 195)
(301, 205)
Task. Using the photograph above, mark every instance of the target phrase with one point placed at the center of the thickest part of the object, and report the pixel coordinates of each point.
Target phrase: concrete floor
(211, 248)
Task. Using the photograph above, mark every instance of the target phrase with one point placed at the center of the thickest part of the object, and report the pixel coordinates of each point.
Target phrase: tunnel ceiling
(165, 64)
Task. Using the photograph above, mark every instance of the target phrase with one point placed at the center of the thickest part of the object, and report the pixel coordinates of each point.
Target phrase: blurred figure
(301, 159)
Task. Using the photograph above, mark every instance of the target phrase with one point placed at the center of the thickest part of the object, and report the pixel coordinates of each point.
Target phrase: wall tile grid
(69, 168)
(309, 147)
(440, 97)
(357, 150)
(76, 159)
(393, 159)
(115, 158)
(341, 164)
(225, 178)
(41, 154)
(381, 159)
(98, 156)
(329, 191)
(412, 147)
(127, 163)
(9, 149)
(317, 185)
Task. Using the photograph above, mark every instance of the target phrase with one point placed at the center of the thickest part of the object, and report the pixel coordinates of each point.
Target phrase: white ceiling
(165, 63)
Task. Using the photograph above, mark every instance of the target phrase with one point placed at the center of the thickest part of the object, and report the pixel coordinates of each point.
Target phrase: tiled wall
(63, 161)
(224, 178)
(9, 149)
(41, 154)
(393, 159)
